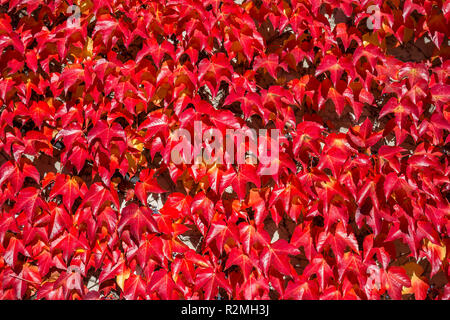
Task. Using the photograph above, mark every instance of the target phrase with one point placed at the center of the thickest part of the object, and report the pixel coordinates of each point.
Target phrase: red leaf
(68, 188)
(238, 180)
(29, 200)
(138, 219)
(396, 279)
(147, 184)
(105, 133)
(270, 63)
(162, 283)
(210, 280)
(68, 243)
(135, 287)
(15, 247)
(276, 254)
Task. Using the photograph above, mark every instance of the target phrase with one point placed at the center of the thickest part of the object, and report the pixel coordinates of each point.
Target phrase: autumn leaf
(138, 219)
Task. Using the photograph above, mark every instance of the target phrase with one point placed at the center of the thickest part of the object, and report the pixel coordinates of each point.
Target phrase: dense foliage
(92, 205)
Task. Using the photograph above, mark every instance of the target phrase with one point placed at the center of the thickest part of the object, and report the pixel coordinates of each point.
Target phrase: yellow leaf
(88, 48)
(442, 250)
(137, 144)
(418, 287)
(408, 290)
(120, 278)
